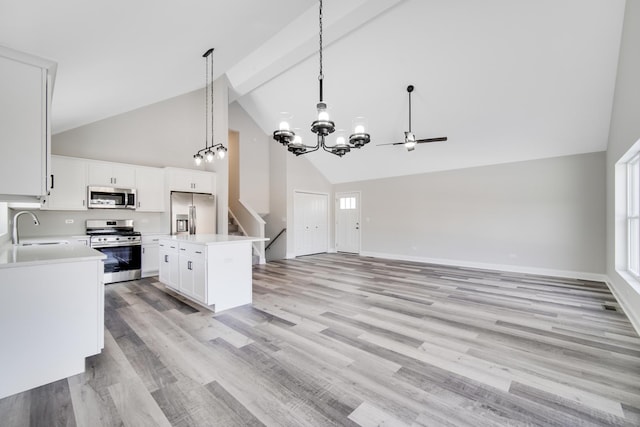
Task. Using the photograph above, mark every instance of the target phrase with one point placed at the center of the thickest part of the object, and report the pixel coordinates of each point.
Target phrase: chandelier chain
(321, 76)
(211, 83)
(206, 104)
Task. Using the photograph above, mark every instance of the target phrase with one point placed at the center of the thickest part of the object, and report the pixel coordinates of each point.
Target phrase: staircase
(234, 230)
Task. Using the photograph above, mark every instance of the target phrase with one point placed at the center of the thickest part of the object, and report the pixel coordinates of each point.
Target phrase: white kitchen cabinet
(169, 268)
(26, 86)
(190, 180)
(150, 189)
(150, 255)
(52, 315)
(68, 185)
(109, 174)
(193, 271)
(215, 270)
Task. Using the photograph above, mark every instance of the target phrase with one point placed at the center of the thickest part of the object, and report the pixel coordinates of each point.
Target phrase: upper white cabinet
(68, 184)
(112, 174)
(26, 86)
(190, 180)
(150, 189)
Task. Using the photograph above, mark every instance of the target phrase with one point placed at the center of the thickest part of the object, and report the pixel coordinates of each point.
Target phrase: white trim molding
(488, 266)
(633, 313)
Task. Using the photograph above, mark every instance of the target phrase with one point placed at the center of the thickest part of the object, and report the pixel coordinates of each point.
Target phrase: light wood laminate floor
(338, 339)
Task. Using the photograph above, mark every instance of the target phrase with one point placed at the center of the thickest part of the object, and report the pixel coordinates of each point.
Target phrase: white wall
(624, 132)
(167, 133)
(541, 216)
(254, 159)
(276, 220)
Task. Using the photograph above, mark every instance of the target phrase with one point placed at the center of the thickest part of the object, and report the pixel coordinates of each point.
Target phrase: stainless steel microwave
(111, 198)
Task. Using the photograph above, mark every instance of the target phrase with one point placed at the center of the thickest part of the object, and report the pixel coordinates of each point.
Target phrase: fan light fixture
(410, 140)
(322, 126)
(209, 152)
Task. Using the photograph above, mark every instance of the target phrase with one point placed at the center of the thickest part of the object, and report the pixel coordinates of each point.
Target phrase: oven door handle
(115, 245)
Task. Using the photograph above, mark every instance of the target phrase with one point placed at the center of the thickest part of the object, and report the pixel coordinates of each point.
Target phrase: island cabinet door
(186, 275)
(200, 280)
(169, 268)
(193, 271)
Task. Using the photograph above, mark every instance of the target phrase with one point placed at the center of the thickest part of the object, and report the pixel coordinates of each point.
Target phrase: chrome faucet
(14, 236)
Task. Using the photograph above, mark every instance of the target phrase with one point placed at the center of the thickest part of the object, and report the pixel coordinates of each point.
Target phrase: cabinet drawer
(169, 247)
(150, 239)
(193, 251)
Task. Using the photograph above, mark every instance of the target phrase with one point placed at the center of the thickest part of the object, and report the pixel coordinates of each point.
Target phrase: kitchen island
(51, 313)
(213, 270)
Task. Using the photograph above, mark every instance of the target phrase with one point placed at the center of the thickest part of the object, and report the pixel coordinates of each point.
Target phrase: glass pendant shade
(221, 152)
(208, 155)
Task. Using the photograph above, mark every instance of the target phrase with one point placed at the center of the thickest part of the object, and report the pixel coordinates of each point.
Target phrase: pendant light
(322, 126)
(209, 152)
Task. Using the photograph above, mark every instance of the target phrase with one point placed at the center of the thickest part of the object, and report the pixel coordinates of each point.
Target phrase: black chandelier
(209, 152)
(322, 127)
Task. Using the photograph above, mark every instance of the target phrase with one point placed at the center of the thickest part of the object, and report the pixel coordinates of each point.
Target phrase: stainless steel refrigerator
(193, 213)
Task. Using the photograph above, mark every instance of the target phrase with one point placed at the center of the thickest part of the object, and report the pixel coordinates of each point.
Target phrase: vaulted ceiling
(505, 80)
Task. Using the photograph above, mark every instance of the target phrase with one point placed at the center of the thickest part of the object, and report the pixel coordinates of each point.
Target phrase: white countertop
(212, 239)
(52, 239)
(22, 256)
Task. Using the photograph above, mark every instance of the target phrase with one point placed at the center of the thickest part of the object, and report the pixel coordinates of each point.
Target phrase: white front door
(310, 213)
(348, 222)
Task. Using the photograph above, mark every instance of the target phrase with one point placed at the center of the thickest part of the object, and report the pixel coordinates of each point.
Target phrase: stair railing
(275, 238)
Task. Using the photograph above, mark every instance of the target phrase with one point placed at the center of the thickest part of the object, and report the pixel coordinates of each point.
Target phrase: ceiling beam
(299, 40)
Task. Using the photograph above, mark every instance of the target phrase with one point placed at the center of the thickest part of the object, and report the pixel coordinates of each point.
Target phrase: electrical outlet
(68, 221)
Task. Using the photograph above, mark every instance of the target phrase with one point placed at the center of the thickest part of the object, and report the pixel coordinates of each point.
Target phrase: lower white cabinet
(150, 262)
(52, 319)
(193, 274)
(213, 270)
(169, 267)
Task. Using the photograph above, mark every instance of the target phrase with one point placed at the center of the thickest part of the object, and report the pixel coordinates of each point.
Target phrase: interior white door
(310, 212)
(348, 222)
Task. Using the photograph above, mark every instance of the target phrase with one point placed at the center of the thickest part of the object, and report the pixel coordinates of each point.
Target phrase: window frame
(632, 218)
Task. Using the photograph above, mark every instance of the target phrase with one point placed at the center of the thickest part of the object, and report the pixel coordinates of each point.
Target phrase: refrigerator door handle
(192, 220)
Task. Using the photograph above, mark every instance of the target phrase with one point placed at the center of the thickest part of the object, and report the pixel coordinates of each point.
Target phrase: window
(348, 203)
(633, 215)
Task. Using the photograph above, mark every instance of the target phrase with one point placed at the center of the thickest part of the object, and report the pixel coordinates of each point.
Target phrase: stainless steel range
(122, 246)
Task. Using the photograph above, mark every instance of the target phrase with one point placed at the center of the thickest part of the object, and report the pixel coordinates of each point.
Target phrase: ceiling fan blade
(420, 141)
(391, 143)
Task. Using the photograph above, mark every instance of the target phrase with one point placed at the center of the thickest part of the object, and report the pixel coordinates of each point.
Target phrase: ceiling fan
(410, 140)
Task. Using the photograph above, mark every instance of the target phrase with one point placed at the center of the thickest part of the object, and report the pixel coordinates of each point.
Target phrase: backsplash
(56, 223)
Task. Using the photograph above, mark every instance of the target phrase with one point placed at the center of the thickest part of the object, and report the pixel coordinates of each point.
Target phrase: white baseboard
(488, 266)
(632, 314)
